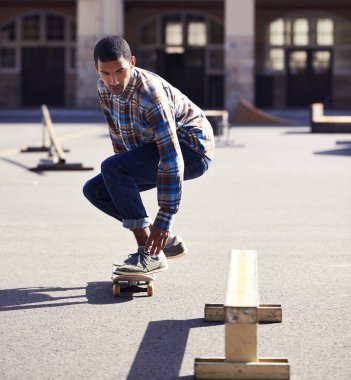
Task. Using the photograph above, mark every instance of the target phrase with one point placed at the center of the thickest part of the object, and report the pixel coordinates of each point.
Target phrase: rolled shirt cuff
(164, 220)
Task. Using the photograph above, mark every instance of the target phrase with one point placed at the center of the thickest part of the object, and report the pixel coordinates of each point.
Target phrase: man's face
(116, 74)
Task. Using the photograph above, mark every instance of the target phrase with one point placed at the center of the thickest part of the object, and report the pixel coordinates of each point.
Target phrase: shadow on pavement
(342, 151)
(161, 351)
(20, 165)
(300, 132)
(34, 298)
(97, 293)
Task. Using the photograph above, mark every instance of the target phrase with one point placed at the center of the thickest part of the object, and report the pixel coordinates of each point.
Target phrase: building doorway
(185, 71)
(309, 76)
(187, 50)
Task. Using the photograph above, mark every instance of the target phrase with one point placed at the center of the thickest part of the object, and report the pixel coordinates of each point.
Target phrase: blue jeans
(116, 191)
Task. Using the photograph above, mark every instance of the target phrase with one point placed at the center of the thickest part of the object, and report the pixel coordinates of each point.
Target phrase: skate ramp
(246, 113)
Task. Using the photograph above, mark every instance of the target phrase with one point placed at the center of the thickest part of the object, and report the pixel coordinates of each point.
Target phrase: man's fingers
(147, 245)
(156, 246)
(156, 241)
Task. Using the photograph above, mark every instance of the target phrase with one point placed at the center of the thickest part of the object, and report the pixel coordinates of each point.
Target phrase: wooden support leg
(267, 313)
(241, 342)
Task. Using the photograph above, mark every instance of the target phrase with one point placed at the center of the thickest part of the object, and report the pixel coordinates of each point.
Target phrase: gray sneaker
(141, 263)
(175, 247)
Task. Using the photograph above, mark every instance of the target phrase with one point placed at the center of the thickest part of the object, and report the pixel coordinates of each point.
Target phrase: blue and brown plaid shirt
(151, 110)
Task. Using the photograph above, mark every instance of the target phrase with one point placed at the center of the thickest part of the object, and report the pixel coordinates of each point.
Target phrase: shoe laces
(136, 258)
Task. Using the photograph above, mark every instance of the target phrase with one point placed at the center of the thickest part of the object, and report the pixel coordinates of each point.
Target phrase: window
(300, 32)
(325, 32)
(55, 28)
(311, 32)
(174, 37)
(7, 58)
(276, 32)
(215, 32)
(31, 28)
(276, 59)
(8, 32)
(321, 61)
(298, 62)
(197, 33)
(39, 30)
(149, 32)
(173, 33)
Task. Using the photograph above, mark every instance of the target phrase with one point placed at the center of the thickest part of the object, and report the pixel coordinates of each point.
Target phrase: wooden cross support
(241, 313)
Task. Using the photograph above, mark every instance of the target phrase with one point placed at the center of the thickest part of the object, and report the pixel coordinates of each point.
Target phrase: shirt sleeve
(106, 111)
(171, 166)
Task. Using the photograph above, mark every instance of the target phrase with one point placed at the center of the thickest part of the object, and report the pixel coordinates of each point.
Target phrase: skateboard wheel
(150, 290)
(116, 290)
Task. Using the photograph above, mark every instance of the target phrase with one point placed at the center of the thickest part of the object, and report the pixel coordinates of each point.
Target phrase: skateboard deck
(129, 282)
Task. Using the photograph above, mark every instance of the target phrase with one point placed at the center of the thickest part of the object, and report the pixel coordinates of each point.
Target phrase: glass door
(308, 76)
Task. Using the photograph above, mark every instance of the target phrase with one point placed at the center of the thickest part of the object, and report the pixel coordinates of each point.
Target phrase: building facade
(273, 53)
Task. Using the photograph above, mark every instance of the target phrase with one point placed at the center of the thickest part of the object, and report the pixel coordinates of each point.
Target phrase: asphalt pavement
(280, 190)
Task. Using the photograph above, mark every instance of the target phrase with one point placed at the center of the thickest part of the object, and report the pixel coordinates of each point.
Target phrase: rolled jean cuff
(132, 224)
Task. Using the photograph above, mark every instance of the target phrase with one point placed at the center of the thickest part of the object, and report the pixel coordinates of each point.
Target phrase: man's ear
(96, 65)
(133, 61)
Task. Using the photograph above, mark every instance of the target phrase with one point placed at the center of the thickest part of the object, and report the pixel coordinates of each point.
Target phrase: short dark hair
(111, 48)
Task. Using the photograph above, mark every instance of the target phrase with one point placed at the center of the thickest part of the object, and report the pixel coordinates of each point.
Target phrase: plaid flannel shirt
(151, 110)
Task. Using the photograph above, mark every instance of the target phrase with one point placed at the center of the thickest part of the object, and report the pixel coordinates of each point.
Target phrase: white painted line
(71, 136)
(7, 153)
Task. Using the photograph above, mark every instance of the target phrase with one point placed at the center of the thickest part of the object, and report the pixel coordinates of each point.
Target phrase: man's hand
(156, 241)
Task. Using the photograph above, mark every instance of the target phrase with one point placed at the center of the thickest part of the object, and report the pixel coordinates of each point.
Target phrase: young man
(160, 138)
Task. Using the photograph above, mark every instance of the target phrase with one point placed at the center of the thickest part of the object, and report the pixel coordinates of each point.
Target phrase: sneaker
(142, 263)
(175, 247)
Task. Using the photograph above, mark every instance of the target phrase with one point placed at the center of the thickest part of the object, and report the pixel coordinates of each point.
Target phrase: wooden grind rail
(321, 123)
(241, 315)
(52, 135)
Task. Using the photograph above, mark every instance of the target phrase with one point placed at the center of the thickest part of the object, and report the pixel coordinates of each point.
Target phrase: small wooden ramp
(246, 113)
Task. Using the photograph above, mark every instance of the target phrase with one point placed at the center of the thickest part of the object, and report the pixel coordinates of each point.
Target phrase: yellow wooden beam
(263, 369)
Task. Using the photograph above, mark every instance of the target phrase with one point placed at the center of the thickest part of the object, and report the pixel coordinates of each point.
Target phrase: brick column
(239, 48)
(96, 18)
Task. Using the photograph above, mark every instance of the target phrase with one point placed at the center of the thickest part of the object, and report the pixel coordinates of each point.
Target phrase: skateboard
(132, 282)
